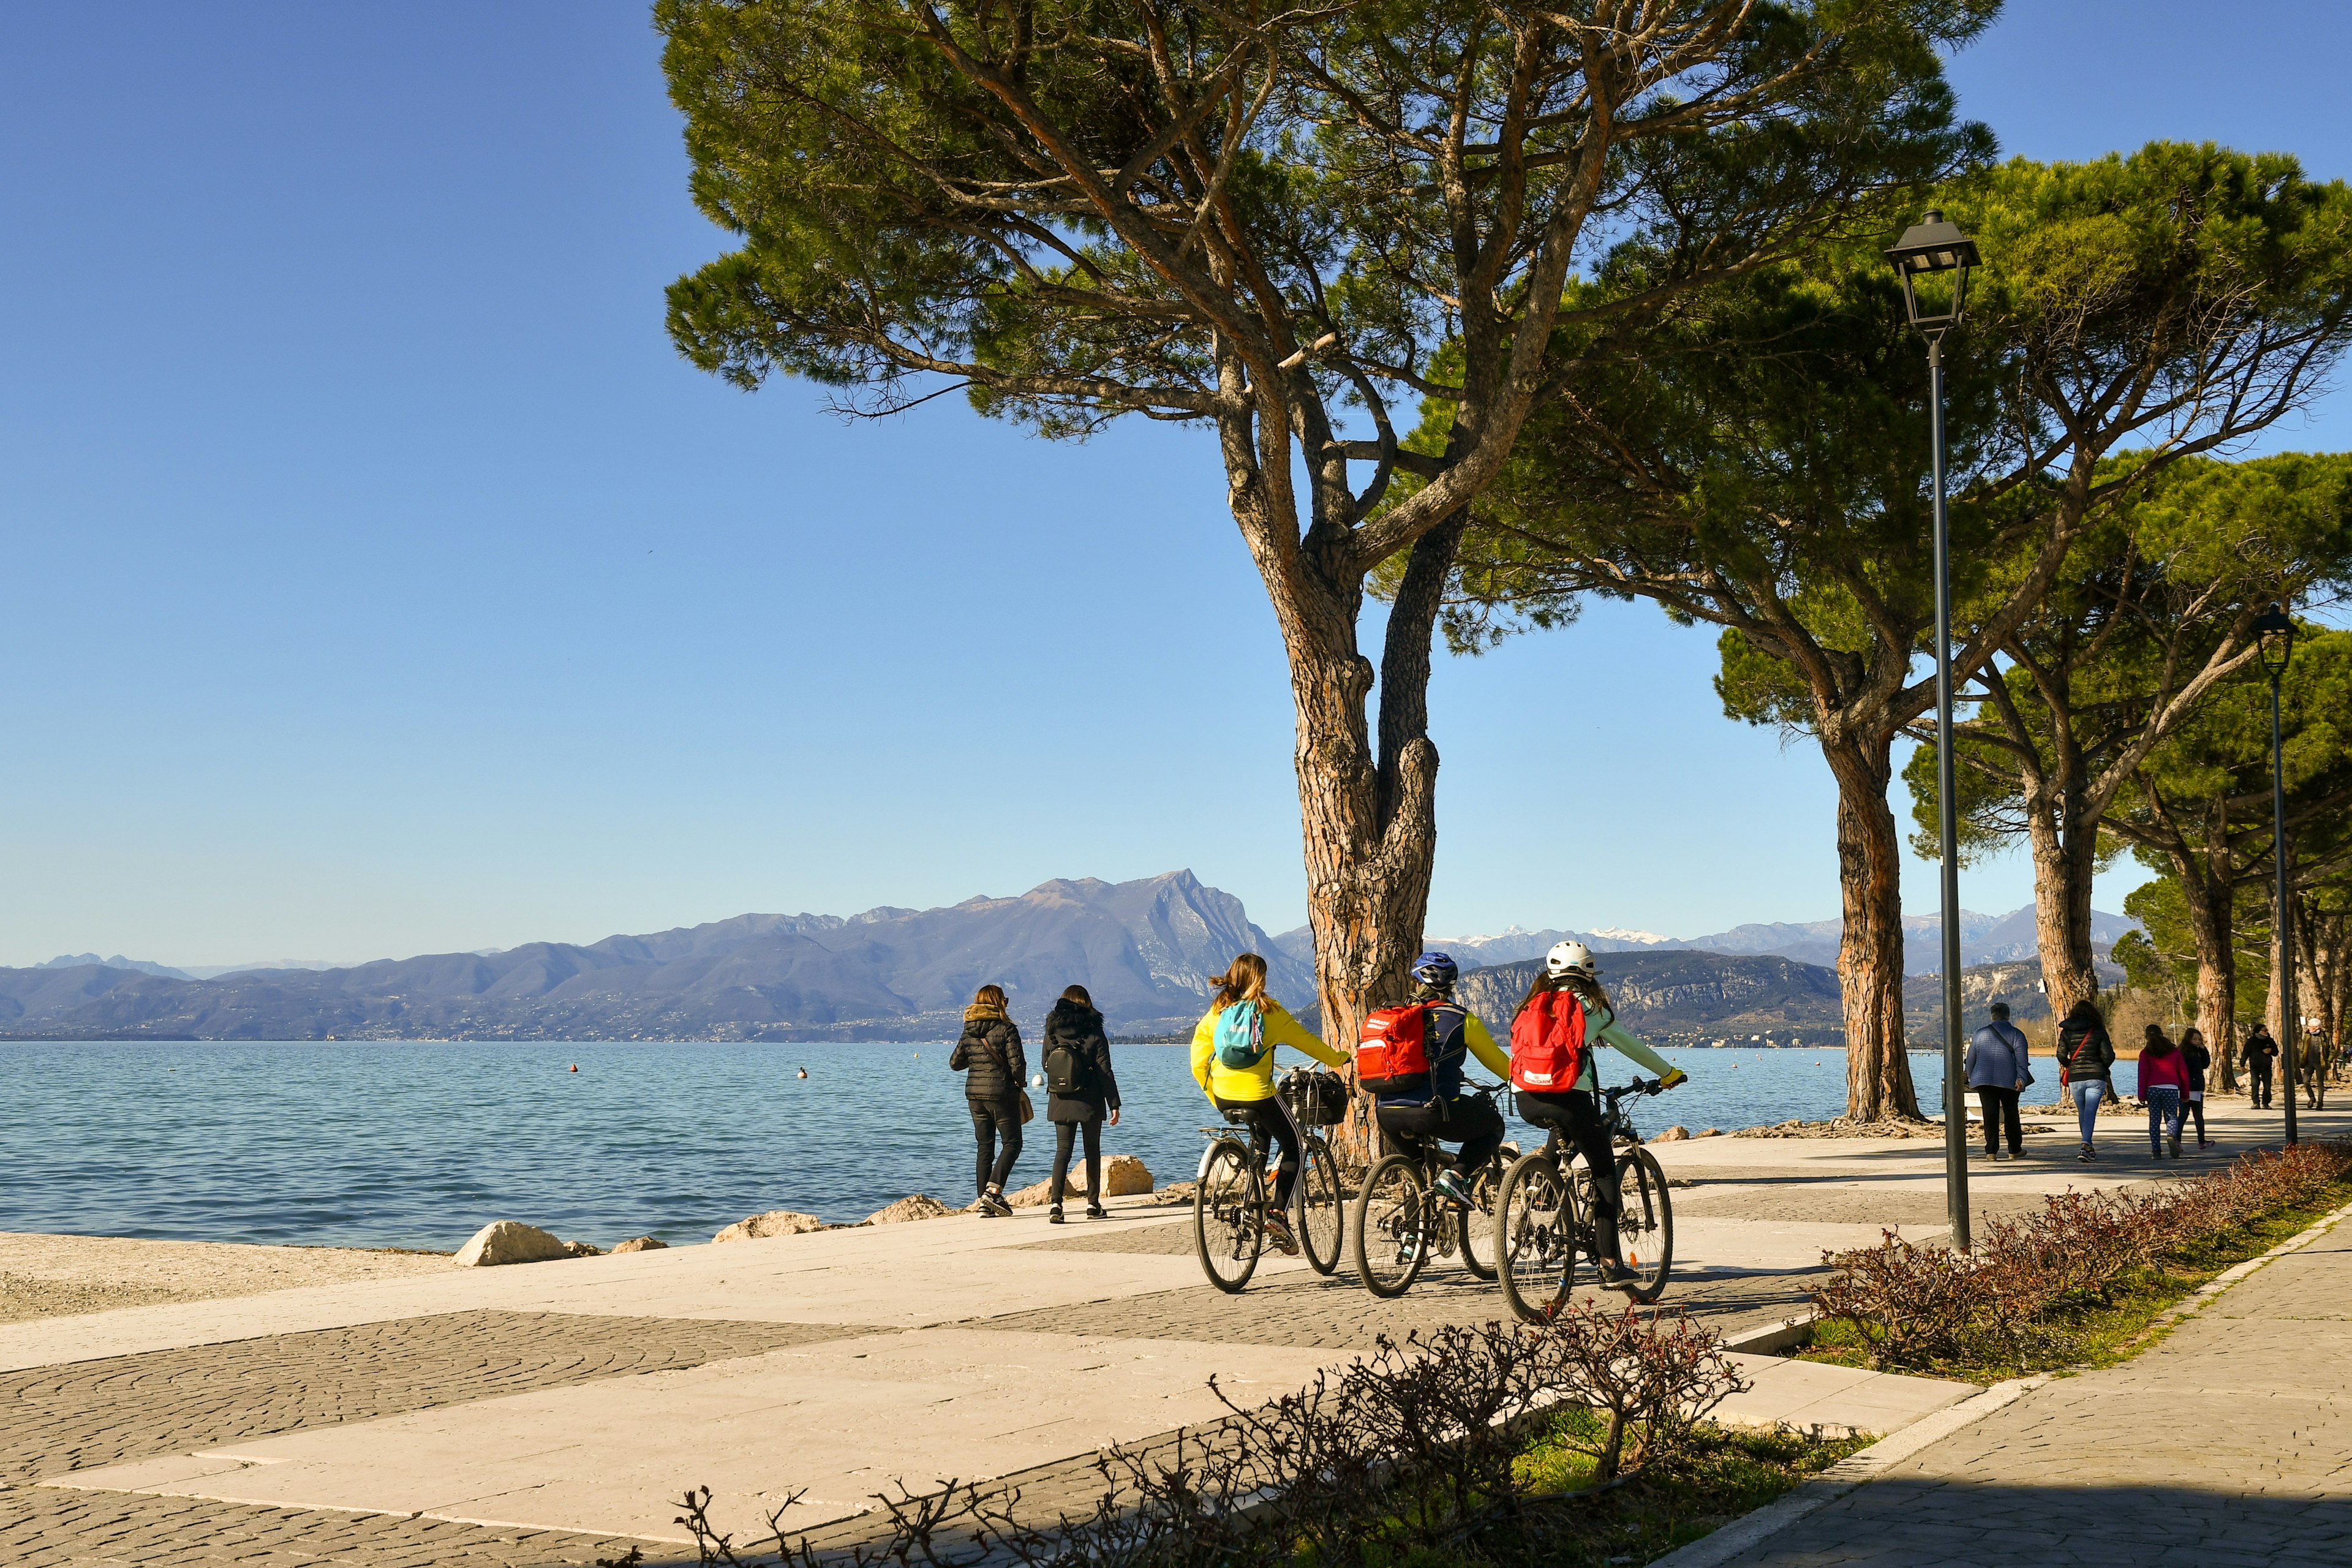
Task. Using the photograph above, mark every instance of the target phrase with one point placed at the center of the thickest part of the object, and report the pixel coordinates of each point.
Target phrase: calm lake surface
(401, 1144)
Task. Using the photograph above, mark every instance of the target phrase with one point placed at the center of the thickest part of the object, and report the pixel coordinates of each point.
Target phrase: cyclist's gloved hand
(1675, 1076)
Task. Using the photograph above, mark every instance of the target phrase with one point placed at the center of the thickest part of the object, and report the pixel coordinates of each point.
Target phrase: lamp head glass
(2275, 632)
(1935, 244)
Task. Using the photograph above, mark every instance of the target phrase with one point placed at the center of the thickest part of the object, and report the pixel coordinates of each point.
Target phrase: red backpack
(1548, 1044)
(1393, 1049)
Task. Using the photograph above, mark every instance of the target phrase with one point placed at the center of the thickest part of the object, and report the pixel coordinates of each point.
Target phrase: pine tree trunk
(1870, 953)
(2064, 863)
(2208, 903)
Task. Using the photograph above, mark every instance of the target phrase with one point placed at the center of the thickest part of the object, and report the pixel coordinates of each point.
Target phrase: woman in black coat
(1083, 1091)
(989, 1056)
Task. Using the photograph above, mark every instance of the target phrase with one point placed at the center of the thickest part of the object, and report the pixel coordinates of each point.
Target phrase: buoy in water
(575, 1067)
(804, 1072)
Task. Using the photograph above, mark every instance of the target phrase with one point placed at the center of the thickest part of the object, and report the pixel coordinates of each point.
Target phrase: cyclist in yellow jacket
(1245, 1092)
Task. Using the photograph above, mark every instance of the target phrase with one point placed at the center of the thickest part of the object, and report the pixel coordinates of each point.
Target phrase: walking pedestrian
(2262, 1055)
(1998, 1071)
(1081, 1094)
(989, 1056)
(2163, 1080)
(2311, 1067)
(2086, 1062)
(2199, 1061)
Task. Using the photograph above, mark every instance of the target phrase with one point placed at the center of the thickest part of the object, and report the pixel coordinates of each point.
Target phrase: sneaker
(1095, 1211)
(2176, 1148)
(1613, 1276)
(1053, 1214)
(993, 1203)
(1999, 1158)
(1452, 1188)
(2086, 1155)
(1277, 1231)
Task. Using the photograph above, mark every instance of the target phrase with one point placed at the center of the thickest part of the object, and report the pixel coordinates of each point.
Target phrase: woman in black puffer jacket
(989, 1056)
(1078, 1070)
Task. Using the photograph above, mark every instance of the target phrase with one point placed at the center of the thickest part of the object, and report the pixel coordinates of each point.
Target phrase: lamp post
(1935, 245)
(2276, 632)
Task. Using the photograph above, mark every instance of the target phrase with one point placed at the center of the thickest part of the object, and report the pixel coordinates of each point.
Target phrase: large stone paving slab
(85, 1413)
(842, 1419)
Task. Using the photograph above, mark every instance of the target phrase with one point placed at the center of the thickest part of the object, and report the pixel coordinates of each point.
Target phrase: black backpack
(1066, 1069)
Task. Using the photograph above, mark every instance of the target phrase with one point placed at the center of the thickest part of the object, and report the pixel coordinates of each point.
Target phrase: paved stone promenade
(545, 1414)
(2228, 1444)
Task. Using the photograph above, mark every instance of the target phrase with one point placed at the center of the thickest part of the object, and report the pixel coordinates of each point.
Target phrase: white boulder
(509, 1241)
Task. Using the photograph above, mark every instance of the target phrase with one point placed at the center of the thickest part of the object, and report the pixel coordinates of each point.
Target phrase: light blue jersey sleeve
(1613, 1033)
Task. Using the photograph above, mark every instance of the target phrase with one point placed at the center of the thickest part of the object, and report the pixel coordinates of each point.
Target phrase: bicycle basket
(1317, 1098)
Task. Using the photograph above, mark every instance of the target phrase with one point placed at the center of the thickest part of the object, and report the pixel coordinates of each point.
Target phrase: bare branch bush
(1910, 1306)
(1413, 1448)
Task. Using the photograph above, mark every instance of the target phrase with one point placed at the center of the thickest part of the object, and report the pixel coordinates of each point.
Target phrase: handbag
(1028, 1111)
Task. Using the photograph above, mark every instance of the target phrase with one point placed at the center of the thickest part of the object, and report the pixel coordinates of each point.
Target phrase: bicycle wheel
(1392, 1240)
(1535, 1237)
(1316, 1205)
(1227, 1230)
(1476, 1224)
(1645, 1223)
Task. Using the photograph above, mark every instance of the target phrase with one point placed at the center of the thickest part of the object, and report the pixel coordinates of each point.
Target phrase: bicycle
(1543, 1218)
(1401, 1220)
(1231, 1193)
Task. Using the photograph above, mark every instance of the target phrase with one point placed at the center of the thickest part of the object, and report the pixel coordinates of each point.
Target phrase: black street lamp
(2276, 632)
(1935, 245)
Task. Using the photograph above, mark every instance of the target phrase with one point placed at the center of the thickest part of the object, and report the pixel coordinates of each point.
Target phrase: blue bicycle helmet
(1434, 968)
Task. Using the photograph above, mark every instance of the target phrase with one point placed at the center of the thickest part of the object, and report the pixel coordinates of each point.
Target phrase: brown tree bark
(2206, 889)
(1878, 1084)
(2064, 864)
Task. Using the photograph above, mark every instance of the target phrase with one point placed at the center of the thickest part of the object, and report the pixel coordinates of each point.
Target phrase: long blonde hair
(1243, 981)
(988, 1002)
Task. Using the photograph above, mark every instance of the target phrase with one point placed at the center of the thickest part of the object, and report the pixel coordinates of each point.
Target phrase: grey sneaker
(1452, 1188)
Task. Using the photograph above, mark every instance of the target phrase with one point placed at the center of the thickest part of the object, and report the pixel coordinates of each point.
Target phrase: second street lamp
(1932, 246)
(2276, 632)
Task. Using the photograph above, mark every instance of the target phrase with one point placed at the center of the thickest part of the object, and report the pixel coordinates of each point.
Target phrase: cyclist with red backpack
(1411, 1059)
(1565, 1014)
(1232, 1061)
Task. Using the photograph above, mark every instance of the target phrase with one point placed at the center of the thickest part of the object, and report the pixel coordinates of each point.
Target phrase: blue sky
(381, 582)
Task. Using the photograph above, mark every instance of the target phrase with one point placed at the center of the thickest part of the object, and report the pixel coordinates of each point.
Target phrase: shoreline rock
(775, 1222)
(907, 1210)
(1123, 1176)
(504, 1241)
(641, 1244)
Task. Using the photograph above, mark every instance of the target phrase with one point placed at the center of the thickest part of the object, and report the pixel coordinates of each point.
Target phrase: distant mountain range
(1145, 949)
(1984, 939)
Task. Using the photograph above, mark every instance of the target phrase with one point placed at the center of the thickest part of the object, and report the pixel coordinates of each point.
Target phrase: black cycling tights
(1065, 1137)
(1575, 1116)
(992, 1119)
(1272, 1118)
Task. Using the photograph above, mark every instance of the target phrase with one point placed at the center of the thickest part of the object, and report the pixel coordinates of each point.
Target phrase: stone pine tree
(1770, 478)
(1275, 223)
(2151, 613)
(2198, 811)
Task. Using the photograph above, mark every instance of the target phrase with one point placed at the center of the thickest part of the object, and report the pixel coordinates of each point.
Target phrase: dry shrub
(1411, 1449)
(1912, 1305)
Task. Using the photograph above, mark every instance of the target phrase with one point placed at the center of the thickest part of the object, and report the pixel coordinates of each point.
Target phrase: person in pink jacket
(2163, 1082)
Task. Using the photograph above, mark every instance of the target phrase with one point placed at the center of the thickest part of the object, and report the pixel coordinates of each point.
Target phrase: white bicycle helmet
(1570, 958)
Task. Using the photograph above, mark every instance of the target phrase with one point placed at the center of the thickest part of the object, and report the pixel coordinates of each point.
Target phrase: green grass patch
(2112, 1327)
(1720, 1474)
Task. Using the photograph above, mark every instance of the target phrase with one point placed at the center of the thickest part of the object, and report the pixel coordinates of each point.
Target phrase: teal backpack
(1239, 1037)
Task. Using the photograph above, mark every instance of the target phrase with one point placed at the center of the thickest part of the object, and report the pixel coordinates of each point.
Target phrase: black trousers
(2194, 1111)
(1066, 1138)
(996, 1126)
(2000, 1107)
(2261, 1094)
(1272, 1118)
(1474, 1121)
(1576, 1117)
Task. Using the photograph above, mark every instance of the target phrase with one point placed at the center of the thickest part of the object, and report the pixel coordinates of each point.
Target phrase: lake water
(405, 1144)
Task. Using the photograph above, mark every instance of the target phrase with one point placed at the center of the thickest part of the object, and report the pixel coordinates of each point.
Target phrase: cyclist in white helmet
(1574, 1109)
